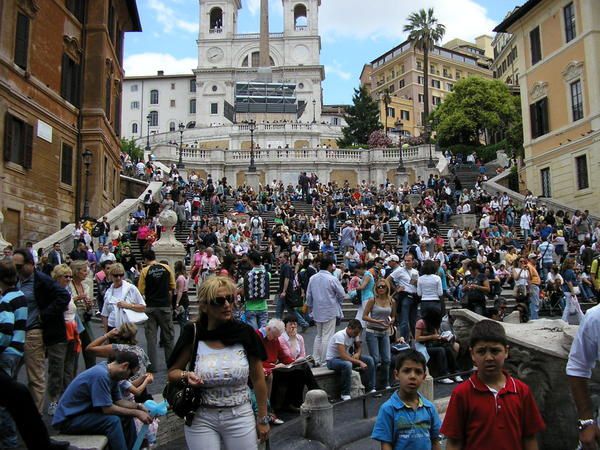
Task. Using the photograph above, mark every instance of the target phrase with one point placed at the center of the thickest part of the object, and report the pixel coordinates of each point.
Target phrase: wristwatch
(265, 420)
(582, 424)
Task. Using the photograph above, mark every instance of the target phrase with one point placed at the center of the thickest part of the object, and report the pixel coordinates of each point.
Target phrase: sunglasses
(67, 276)
(118, 275)
(382, 286)
(220, 301)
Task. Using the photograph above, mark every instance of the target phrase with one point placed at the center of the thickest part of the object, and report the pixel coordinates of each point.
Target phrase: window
(582, 172)
(22, 41)
(539, 118)
(214, 108)
(401, 84)
(18, 142)
(66, 165)
(421, 98)
(458, 74)
(76, 8)
(108, 94)
(134, 88)
(135, 105)
(335, 120)
(570, 27)
(420, 79)
(404, 115)
(391, 112)
(536, 45)
(69, 83)
(436, 84)
(545, 178)
(419, 65)
(172, 103)
(172, 86)
(193, 106)
(171, 126)
(449, 87)
(134, 128)
(576, 100)
(193, 85)
(111, 22)
(436, 100)
(216, 20)
(154, 97)
(105, 178)
(153, 118)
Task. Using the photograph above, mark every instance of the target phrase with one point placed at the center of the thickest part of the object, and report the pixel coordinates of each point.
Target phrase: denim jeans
(236, 427)
(407, 309)
(379, 349)
(120, 431)
(345, 369)
(257, 319)
(281, 306)
(534, 302)
(8, 429)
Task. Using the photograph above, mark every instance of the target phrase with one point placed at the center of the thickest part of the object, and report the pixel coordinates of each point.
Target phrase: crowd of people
(380, 247)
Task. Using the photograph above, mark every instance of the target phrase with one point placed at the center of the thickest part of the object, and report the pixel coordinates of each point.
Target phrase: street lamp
(252, 127)
(180, 164)
(87, 161)
(148, 135)
(314, 111)
(399, 128)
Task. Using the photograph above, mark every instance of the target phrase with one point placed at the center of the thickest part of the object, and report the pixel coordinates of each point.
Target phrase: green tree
(425, 31)
(362, 119)
(477, 105)
(130, 147)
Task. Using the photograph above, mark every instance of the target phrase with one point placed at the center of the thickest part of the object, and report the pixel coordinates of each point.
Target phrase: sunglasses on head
(220, 301)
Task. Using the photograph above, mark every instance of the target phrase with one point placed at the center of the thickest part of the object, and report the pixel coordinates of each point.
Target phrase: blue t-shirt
(89, 391)
(569, 275)
(405, 428)
(369, 291)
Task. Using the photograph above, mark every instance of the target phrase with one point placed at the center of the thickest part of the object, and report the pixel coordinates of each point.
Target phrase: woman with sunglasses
(120, 295)
(226, 353)
(379, 315)
(62, 357)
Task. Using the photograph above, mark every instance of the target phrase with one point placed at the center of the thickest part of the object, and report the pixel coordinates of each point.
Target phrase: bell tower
(301, 17)
(219, 18)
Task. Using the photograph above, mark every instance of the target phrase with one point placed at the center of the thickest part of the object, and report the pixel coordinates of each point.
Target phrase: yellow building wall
(340, 176)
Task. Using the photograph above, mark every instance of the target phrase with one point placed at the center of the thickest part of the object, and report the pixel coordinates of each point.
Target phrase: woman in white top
(522, 276)
(429, 288)
(62, 356)
(121, 295)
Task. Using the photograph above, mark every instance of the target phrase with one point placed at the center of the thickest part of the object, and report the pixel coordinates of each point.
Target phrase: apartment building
(558, 43)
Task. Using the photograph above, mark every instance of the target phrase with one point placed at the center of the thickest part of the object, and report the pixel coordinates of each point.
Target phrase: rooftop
(516, 14)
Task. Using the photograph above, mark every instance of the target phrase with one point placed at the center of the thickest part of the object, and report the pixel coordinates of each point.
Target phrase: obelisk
(264, 60)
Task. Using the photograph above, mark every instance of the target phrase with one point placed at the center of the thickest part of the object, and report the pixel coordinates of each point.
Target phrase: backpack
(97, 231)
(256, 222)
(402, 228)
(256, 285)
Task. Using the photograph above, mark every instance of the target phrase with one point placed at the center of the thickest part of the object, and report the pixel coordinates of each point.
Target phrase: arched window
(216, 20)
(193, 106)
(300, 17)
(171, 126)
(154, 97)
(153, 118)
(255, 58)
(134, 128)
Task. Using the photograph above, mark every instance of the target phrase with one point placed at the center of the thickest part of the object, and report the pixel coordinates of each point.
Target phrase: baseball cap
(392, 258)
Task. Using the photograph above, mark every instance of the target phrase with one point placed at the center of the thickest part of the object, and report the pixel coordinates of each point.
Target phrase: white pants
(325, 330)
(235, 427)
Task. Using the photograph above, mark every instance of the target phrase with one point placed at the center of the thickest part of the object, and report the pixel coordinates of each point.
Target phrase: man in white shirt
(341, 360)
(404, 279)
(107, 255)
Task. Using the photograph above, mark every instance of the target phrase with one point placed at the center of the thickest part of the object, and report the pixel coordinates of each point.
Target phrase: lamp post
(252, 127)
(148, 135)
(180, 164)
(87, 161)
(314, 111)
(399, 128)
(430, 163)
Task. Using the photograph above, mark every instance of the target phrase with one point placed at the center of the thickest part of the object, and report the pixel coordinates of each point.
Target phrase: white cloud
(150, 63)
(253, 7)
(342, 19)
(167, 17)
(336, 69)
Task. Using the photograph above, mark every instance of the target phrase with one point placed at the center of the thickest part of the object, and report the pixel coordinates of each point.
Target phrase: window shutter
(77, 85)
(64, 78)
(533, 121)
(28, 147)
(8, 129)
(22, 41)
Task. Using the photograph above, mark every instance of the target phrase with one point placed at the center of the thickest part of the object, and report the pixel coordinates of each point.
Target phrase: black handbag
(294, 299)
(181, 397)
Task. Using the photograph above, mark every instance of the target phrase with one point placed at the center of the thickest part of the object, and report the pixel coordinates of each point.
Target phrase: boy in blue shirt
(408, 420)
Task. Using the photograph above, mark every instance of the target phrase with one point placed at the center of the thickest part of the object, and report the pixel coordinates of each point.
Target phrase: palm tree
(425, 31)
(386, 99)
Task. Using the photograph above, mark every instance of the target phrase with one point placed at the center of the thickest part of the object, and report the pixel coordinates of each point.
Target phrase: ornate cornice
(30, 7)
(110, 66)
(538, 91)
(573, 71)
(72, 47)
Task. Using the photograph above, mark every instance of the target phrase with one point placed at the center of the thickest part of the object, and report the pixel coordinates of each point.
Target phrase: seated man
(339, 359)
(92, 403)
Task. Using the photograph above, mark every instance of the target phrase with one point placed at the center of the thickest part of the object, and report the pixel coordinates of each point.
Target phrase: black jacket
(52, 301)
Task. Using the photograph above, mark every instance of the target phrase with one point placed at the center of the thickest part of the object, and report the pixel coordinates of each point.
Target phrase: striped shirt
(13, 321)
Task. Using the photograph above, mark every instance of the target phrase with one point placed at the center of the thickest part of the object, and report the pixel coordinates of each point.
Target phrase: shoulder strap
(194, 351)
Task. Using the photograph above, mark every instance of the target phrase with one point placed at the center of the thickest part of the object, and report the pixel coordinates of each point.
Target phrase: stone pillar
(168, 247)
(427, 388)
(317, 414)
(252, 180)
(401, 178)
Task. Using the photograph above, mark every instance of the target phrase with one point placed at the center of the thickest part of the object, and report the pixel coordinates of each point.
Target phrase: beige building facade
(559, 46)
(400, 72)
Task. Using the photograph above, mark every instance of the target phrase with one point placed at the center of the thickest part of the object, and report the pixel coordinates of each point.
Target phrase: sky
(350, 35)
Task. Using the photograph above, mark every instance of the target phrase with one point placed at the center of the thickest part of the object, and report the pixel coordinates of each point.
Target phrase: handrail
(492, 186)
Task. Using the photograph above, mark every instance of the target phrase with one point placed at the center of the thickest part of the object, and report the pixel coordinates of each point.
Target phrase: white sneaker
(52, 408)
(445, 381)
(458, 379)
(387, 387)
(345, 398)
